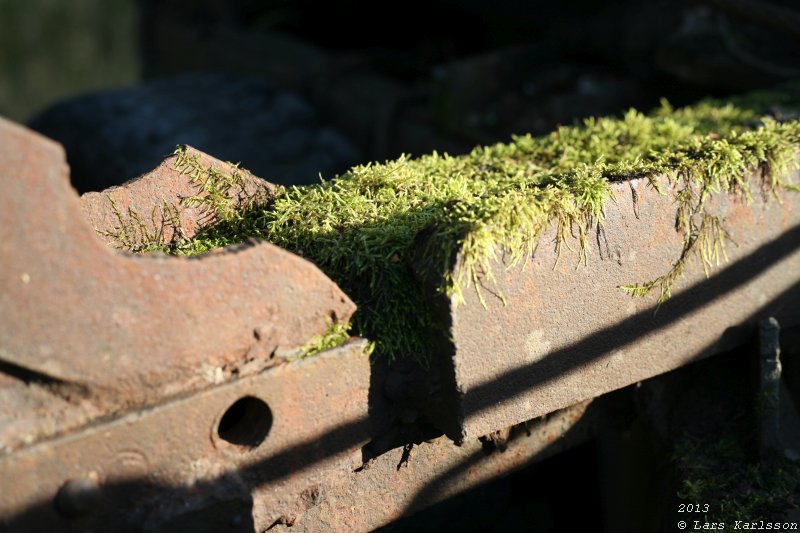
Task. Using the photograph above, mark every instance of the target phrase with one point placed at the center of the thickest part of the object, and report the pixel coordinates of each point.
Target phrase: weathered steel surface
(105, 330)
(399, 483)
(569, 333)
(158, 468)
(158, 199)
(195, 422)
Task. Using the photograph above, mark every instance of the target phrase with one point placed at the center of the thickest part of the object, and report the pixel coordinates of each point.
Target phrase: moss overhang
(362, 228)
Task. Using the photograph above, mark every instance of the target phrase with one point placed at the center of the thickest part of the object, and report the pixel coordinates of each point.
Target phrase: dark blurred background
(294, 88)
(51, 50)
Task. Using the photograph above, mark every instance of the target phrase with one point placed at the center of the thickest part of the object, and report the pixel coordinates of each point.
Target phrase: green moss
(221, 196)
(133, 234)
(336, 335)
(361, 228)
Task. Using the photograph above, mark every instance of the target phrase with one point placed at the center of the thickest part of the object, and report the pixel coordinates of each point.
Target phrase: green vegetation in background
(735, 487)
(362, 228)
(52, 49)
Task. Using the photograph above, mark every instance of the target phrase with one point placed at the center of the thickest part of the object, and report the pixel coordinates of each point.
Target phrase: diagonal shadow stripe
(597, 346)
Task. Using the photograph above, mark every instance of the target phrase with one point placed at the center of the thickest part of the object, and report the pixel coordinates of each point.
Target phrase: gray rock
(113, 136)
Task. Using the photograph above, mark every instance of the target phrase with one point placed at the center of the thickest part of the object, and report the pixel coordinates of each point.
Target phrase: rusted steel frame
(106, 331)
(151, 467)
(404, 481)
(569, 333)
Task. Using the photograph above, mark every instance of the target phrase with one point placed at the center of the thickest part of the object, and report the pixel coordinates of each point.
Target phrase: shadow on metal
(514, 382)
(129, 505)
(431, 492)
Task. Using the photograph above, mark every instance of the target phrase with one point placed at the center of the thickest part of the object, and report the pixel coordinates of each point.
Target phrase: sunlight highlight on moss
(362, 228)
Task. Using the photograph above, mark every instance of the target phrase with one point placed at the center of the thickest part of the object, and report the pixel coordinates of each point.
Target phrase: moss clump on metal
(222, 196)
(336, 335)
(133, 234)
(361, 228)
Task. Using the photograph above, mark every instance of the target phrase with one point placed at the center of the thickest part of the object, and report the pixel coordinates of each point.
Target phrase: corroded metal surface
(569, 333)
(157, 469)
(399, 483)
(104, 331)
(150, 392)
(157, 199)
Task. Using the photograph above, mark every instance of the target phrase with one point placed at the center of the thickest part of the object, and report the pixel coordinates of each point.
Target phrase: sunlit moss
(336, 335)
(362, 227)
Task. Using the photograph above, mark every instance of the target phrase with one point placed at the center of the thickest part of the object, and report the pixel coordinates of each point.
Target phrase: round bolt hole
(246, 423)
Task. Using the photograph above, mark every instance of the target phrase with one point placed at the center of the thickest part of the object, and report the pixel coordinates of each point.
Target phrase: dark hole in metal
(77, 497)
(246, 423)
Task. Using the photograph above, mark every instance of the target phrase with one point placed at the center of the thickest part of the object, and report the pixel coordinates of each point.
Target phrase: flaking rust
(383, 491)
(567, 333)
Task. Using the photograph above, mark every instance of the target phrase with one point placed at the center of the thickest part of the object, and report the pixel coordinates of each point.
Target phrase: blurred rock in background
(448, 75)
(116, 135)
(435, 75)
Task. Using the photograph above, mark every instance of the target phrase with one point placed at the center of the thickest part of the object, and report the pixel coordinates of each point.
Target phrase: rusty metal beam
(144, 392)
(99, 331)
(406, 480)
(299, 429)
(569, 333)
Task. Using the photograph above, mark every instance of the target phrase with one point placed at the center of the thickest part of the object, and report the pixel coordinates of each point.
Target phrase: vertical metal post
(769, 353)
